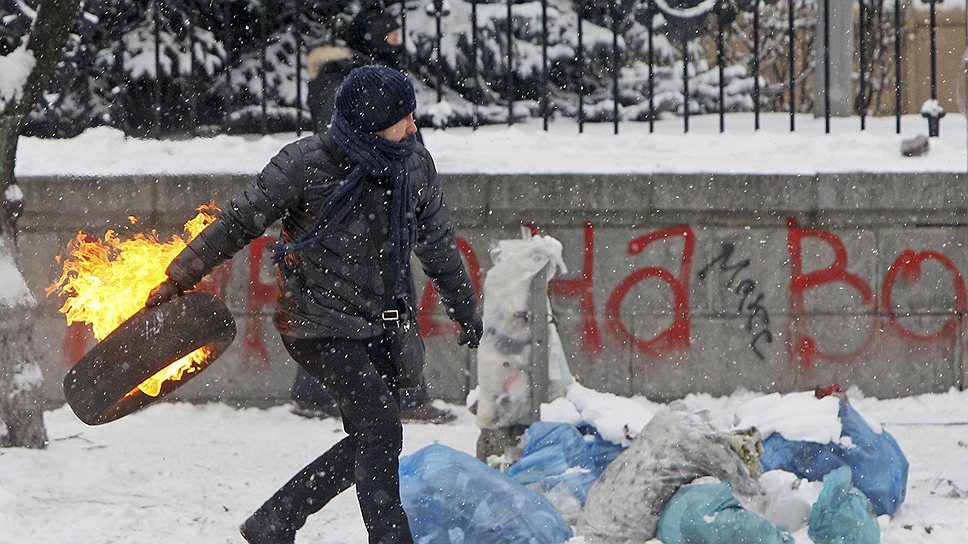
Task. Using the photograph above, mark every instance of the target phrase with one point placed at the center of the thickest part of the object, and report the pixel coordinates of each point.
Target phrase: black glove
(471, 329)
(165, 291)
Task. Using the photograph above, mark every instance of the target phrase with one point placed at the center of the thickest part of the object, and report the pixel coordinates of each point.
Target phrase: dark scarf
(383, 162)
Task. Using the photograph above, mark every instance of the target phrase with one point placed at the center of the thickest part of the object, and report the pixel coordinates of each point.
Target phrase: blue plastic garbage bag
(551, 449)
(842, 514)
(603, 452)
(878, 466)
(559, 454)
(709, 514)
(452, 498)
(556, 454)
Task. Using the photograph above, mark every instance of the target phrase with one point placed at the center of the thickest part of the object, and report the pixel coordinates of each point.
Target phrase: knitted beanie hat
(373, 98)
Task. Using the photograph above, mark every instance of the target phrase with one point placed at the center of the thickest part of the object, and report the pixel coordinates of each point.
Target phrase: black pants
(360, 376)
(308, 391)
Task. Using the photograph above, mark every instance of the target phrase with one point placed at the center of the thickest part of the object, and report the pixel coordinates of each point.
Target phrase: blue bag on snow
(710, 514)
(603, 452)
(551, 449)
(878, 466)
(842, 514)
(559, 454)
(452, 498)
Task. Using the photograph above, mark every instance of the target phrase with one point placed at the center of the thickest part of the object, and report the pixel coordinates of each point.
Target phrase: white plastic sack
(504, 356)
(675, 448)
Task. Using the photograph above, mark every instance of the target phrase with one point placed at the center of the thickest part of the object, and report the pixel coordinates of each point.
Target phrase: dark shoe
(314, 411)
(426, 413)
(258, 530)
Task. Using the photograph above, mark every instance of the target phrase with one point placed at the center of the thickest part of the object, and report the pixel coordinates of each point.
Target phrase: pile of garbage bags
(682, 480)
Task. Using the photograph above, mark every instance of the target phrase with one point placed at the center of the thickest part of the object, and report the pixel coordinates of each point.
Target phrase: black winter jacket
(333, 288)
(322, 89)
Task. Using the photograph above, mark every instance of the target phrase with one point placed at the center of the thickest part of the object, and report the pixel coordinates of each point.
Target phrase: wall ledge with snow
(844, 199)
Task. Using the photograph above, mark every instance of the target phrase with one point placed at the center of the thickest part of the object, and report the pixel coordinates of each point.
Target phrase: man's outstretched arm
(245, 218)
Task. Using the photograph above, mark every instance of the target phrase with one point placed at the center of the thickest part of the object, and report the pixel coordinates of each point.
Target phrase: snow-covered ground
(526, 148)
(189, 474)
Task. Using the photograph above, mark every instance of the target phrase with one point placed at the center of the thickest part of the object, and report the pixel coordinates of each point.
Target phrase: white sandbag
(504, 356)
(675, 447)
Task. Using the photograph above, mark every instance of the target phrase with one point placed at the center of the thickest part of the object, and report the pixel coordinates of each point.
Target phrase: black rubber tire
(102, 386)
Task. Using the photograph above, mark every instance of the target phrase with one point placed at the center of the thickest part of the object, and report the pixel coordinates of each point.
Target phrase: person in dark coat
(354, 202)
(373, 36)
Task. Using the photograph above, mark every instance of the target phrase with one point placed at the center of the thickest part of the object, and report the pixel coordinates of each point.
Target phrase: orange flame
(107, 281)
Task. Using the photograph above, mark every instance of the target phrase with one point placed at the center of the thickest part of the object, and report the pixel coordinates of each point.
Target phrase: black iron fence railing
(240, 66)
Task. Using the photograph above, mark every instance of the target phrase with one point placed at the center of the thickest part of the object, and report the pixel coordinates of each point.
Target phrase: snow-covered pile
(617, 419)
(797, 416)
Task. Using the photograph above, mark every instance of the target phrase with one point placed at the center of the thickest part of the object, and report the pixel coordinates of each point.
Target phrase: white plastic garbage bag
(676, 447)
(504, 356)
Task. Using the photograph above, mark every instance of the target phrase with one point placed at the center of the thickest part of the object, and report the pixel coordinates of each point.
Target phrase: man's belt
(395, 318)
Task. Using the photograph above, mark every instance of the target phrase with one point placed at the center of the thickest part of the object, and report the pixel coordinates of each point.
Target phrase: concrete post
(841, 32)
(539, 342)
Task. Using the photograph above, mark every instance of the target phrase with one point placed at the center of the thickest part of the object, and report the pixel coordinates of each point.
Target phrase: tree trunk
(21, 382)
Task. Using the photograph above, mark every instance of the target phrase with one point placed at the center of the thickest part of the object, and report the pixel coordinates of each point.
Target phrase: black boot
(264, 529)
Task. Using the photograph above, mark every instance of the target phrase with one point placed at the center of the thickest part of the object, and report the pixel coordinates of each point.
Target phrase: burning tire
(104, 384)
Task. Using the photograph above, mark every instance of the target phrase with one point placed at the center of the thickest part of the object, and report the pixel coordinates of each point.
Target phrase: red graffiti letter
(582, 288)
(215, 282)
(908, 266)
(799, 341)
(677, 335)
(260, 294)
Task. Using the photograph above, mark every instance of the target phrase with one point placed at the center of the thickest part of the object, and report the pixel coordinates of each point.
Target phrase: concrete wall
(676, 283)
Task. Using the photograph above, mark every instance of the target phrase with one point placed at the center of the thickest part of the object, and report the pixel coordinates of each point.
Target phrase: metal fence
(721, 12)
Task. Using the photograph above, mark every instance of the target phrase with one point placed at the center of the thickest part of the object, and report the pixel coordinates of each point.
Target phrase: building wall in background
(916, 52)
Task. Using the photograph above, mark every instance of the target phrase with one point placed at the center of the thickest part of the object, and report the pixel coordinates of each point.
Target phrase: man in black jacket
(354, 202)
(372, 37)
